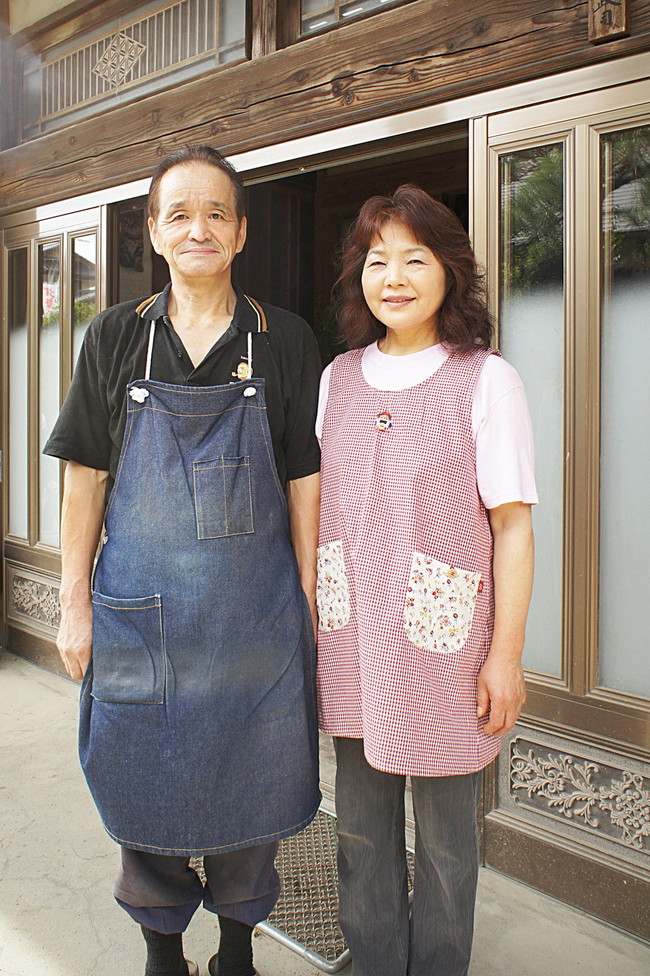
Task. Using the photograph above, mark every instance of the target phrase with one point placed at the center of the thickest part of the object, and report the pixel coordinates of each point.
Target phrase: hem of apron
(224, 849)
(434, 769)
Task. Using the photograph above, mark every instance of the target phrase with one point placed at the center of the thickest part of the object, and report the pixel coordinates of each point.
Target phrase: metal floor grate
(306, 916)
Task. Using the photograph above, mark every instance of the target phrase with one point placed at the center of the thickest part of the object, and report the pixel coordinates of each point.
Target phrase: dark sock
(164, 953)
(235, 948)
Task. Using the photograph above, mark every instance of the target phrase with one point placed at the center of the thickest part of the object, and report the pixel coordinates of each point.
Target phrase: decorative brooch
(383, 420)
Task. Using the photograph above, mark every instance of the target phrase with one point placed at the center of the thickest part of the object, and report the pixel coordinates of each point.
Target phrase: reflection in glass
(84, 288)
(49, 329)
(531, 334)
(625, 412)
(18, 394)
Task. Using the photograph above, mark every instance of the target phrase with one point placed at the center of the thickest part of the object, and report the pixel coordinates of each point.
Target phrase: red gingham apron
(404, 570)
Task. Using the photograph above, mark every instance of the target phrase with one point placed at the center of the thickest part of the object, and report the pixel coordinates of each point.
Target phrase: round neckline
(437, 352)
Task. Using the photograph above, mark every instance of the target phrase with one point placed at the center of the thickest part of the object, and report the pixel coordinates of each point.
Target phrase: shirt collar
(244, 318)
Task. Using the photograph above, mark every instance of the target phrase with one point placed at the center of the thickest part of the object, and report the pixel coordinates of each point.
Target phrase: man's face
(197, 230)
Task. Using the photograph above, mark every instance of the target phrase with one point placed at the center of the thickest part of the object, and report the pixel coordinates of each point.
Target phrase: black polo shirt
(91, 424)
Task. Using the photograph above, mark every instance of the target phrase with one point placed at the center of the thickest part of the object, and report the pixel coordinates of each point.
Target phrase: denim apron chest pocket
(223, 499)
(128, 650)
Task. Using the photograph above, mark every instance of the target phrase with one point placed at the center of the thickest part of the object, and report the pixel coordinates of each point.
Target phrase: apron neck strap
(261, 327)
(152, 332)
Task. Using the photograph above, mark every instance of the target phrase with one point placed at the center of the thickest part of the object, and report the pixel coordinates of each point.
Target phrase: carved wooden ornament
(608, 19)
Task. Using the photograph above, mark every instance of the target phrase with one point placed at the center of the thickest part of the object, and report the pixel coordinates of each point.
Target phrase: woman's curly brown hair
(463, 319)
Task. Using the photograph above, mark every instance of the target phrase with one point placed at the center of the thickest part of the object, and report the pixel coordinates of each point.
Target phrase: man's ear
(241, 236)
(151, 224)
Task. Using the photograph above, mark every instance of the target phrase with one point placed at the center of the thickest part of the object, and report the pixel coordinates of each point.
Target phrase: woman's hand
(501, 692)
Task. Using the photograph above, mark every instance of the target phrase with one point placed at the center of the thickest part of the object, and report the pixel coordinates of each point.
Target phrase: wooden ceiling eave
(424, 53)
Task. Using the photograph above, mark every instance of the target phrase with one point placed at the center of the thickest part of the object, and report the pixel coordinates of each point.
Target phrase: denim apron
(198, 730)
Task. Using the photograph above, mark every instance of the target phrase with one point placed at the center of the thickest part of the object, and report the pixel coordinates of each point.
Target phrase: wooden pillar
(8, 113)
(261, 28)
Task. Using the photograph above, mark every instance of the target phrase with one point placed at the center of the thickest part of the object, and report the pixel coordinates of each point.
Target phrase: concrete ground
(58, 917)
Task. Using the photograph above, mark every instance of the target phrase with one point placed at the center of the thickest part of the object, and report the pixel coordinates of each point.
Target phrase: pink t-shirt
(505, 465)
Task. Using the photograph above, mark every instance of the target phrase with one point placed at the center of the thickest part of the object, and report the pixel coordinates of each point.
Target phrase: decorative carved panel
(33, 600)
(602, 797)
(580, 793)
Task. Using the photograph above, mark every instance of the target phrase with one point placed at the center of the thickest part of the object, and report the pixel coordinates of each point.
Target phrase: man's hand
(74, 641)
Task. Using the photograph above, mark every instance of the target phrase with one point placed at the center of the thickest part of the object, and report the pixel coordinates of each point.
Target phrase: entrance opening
(296, 225)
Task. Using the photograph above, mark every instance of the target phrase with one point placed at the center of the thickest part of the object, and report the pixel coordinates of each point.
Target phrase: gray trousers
(373, 890)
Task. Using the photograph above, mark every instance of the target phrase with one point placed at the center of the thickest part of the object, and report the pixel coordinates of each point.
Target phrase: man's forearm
(82, 515)
(303, 500)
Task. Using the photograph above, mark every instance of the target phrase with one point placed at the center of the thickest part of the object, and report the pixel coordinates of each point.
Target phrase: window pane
(49, 328)
(532, 339)
(232, 33)
(18, 394)
(625, 412)
(84, 288)
(317, 14)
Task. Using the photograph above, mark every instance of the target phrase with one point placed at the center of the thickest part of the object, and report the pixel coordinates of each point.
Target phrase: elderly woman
(425, 568)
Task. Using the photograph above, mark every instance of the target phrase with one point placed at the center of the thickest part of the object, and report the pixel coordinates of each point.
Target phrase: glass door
(567, 241)
(51, 278)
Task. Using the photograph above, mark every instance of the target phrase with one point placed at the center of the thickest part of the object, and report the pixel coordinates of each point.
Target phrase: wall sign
(608, 19)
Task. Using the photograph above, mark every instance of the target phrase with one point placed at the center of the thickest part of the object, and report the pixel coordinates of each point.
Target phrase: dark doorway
(295, 228)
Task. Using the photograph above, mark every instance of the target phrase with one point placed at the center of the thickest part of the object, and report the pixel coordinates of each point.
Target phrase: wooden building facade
(532, 120)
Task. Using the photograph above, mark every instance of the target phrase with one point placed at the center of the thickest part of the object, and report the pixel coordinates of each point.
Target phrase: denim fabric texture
(198, 721)
(373, 888)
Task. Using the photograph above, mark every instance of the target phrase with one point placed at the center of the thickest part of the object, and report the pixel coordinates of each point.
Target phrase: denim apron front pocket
(129, 658)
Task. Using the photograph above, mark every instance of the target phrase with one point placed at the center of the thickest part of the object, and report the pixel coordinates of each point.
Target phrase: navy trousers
(162, 891)
(373, 890)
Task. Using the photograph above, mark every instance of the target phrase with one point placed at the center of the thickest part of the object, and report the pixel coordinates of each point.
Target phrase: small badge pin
(243, 371)
(138, 393)
(384, 421)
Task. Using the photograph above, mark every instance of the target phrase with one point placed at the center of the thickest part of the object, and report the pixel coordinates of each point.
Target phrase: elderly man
(188, 432)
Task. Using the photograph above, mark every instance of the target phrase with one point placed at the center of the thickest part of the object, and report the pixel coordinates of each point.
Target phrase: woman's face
(404, 284)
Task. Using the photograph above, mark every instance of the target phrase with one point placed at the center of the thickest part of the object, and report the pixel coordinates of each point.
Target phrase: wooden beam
(608, 19)
(398, 60)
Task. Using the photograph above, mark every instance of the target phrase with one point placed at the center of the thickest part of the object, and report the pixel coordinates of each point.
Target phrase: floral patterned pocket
(439, 605)
(332, 594)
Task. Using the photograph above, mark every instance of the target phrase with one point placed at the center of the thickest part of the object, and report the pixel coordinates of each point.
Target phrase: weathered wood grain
(424, 53)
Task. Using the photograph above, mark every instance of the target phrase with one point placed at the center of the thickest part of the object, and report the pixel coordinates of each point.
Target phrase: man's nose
(199, 228)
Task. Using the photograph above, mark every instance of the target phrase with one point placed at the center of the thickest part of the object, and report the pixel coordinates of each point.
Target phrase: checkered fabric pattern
(399, 478)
